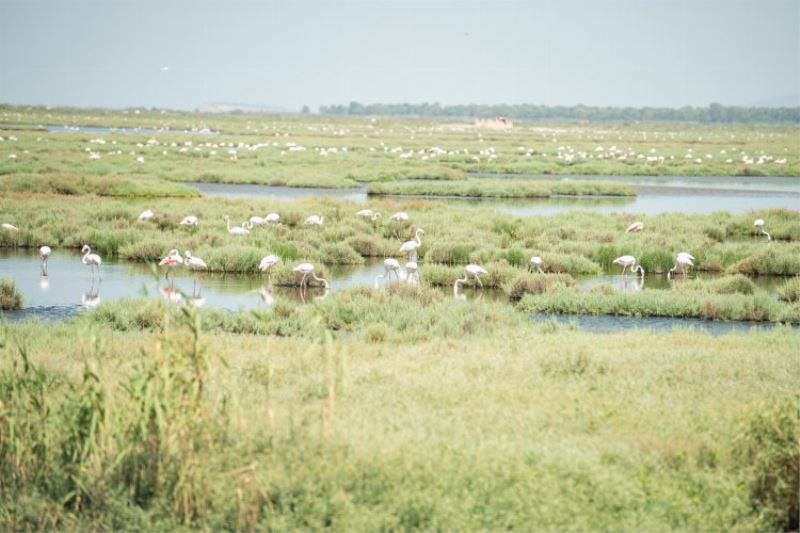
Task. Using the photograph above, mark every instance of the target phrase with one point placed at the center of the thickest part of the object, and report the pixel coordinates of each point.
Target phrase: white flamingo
(273, 218)
(307, 270)
(536, 264)
(636, 227)
(683, 261)
(399, 218)
(191, 220)
(172, 260)
(412, 272)
(410, 247)
(628, 262)
(314, 220)
(267, 263)
(470, 271)
(759, 223)
(257, 221)
(370, 214)
(91, 260)
(390, 265)
(196, 265)
(146, 216)
(44, 255)
(9, 227)
(238, 231)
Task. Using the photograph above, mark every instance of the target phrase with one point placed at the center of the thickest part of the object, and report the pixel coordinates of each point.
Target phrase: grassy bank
(185, 425)
(655, 303)
(573, 243)
(505, 188)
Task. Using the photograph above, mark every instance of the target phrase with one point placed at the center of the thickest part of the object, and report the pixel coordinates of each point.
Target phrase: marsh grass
(494, 188)
(678, 304)
(790, 291)
(189, 426)
(10, 297)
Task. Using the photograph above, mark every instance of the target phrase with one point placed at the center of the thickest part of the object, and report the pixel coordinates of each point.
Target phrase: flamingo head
(85, 249)
(188, 254)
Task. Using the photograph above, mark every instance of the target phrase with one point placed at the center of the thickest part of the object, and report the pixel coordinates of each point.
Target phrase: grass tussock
(10, 297)
(790, 291)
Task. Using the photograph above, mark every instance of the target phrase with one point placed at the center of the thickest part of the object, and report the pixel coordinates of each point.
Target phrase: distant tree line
(713, 113)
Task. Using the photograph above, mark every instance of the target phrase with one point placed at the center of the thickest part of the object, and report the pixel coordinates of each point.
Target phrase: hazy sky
(617, 52)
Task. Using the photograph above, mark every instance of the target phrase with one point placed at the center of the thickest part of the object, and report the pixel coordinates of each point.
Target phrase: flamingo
(90, 259)
(399, 218)
(195, 264)
(626, 262)
(146, 216)
(44, 254)
(9, 227)
(273, 218)
(307, 269)
(636, 227)
(267, 263)
(370, 214)
(191, 220)
(257, 221)
(474, 271)
(410, 247)
(172, 260)
(314, 220)
(683, 260)
(237, 231)
(389, 265)
(536, 264)
(759, 223)
(412, 272)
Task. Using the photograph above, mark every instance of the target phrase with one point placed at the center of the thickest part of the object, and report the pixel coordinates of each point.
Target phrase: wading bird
(9, 227)
(44, 255)
(314, 220)
(238, 231)
(759, 223)
(536, 264)
(399, 218)
(412, 273)
(146, 215)
(370, 214)
(390, 265)
(470, 271)
(267, 263)
(306, 270)
(92, 260)
(628, 262)
(636, 227)
(257, 221)
(172, 260)
(196, 265)
(191, 220)
(683, 261)
(410, 247)
(273, 218)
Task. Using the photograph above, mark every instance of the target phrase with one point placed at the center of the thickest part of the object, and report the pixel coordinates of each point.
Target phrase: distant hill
(714, 113)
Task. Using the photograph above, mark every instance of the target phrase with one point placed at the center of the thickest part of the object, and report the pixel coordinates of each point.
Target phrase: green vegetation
(76, 185)
(324, 151)
(680, 304)
(506, 188)
(459, 427)
(10, 297)
(790, 292)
